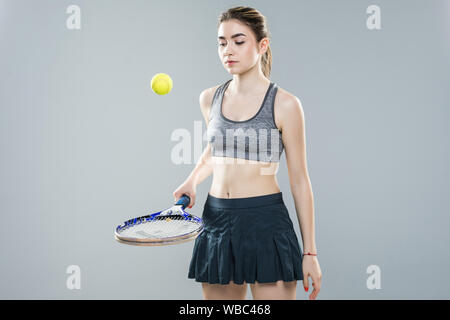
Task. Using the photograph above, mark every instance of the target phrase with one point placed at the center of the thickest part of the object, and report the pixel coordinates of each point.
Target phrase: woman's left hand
(311, 268)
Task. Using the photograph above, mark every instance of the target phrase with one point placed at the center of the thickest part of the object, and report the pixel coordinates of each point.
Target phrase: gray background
(86, 144)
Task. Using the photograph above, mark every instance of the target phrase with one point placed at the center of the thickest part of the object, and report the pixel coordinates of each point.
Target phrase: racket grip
(184, 201)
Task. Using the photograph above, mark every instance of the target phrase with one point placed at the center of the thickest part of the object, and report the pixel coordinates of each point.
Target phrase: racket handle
(184, 201)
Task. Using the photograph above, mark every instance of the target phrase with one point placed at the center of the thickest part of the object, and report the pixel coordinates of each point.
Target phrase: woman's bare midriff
(241, 178)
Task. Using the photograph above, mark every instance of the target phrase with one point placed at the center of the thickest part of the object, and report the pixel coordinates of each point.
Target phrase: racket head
(171, 226)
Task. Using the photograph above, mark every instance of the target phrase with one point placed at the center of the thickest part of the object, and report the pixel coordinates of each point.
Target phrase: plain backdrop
(86, 144)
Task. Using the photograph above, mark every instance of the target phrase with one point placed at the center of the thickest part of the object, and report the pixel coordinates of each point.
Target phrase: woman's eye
(238, 43)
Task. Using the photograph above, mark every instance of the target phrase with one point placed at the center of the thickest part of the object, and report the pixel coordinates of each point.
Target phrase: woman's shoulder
(207, 95)
(286, 105)
(285, 97)
(206, 99)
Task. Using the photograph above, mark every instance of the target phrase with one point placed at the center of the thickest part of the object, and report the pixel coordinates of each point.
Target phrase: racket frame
(178, 210)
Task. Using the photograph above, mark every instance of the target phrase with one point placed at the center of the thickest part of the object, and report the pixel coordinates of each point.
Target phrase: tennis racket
(170, 226)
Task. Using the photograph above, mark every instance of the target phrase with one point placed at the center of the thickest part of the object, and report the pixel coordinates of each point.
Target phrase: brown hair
(258, 24)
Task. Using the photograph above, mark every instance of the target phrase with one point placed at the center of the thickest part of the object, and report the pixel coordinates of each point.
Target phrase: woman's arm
(293, 135)
(203, 168)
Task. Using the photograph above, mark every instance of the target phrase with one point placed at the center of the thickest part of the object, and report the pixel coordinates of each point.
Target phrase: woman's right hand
(189, 188)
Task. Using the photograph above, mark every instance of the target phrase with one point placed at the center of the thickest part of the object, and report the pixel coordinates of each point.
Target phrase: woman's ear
(264, 45)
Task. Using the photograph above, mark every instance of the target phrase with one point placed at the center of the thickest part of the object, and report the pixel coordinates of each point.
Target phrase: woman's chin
(233, 71)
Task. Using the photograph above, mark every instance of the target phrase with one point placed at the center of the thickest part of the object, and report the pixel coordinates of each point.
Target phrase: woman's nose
(228, 51)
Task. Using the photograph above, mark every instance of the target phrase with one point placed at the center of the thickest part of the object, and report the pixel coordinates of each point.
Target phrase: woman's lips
(230, 63)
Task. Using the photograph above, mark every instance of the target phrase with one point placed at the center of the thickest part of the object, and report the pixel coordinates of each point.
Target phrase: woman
(248, 236)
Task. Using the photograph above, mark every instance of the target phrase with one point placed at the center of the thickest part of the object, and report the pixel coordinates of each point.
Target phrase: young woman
(248, 236)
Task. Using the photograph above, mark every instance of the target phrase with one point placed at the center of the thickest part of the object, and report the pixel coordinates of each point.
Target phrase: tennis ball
(161, 83)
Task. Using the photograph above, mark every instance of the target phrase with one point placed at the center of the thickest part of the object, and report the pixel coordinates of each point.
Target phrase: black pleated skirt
(246, 239)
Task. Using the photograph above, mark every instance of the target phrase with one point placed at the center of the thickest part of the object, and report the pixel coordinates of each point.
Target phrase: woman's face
(237, 42)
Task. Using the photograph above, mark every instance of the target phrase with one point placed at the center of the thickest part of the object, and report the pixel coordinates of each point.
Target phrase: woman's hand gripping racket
(170, 226)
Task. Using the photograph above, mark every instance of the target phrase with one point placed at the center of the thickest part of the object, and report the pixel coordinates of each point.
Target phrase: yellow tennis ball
(161, 83)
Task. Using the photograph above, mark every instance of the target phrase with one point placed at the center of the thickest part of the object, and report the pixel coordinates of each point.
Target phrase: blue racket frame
(183, 202)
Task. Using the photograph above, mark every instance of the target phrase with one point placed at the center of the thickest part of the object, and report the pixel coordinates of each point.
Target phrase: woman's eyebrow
(233, 36)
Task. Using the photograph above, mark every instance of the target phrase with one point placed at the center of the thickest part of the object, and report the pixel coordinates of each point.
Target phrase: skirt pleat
(238, 260)
(250, 261)
(212, 257)
(296, 256)
(285, 263)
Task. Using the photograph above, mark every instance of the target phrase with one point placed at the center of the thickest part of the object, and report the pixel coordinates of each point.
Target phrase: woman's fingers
(305, 282)
(316, 284)
(192, 201)
(177, 194)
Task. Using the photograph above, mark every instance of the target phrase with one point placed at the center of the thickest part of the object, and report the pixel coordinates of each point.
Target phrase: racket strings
(162, 227)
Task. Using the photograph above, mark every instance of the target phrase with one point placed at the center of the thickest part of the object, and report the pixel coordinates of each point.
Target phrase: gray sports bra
(257, 138)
